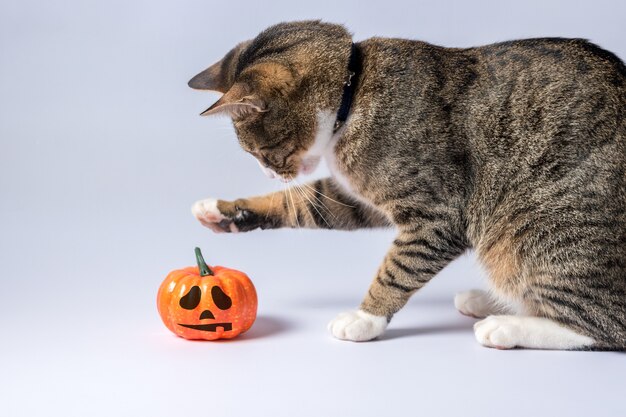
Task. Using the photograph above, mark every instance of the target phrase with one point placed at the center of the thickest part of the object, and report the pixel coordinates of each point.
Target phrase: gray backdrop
(102, 154)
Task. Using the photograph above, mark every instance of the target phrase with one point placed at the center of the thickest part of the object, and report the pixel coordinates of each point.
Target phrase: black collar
(355, 66)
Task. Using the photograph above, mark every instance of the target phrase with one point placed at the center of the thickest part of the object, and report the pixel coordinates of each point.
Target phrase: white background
(101, 156)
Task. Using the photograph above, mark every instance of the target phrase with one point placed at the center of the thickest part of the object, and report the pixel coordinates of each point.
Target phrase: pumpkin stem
(202, 266)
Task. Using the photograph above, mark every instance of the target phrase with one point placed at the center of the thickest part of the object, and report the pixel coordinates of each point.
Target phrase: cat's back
(571, 64)
(576, 54)
(568, 69)
(546, 124)
(520, 78)
(547, 96)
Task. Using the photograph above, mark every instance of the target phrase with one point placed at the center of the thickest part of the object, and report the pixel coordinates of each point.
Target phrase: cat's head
(278, 89)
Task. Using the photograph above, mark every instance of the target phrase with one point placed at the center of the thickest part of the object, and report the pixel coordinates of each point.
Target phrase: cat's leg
(566, 284)
(561, 303)
(321, 204)
(567, 313)
(506, 332)
(478, 304)
(414, 258)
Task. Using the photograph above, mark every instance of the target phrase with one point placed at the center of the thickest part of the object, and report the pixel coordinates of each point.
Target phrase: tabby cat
(516, 150)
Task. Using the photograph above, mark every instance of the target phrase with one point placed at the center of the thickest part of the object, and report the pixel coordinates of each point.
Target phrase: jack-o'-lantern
(202, 302)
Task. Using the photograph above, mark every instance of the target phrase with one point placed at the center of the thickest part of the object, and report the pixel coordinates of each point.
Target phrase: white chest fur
(324, 146)
(337, 174)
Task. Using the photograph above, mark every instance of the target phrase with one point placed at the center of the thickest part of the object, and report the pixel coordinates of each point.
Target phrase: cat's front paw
(208, 213)
(357, 326)
(231, 216)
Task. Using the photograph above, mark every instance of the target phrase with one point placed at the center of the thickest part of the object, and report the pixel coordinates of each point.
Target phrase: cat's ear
(238, 101)
(268, 80)
(219, 76)
(211, 79)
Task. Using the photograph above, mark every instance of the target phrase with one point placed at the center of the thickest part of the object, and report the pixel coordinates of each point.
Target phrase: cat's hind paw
(357, 326)
(506, 332)
(500, 332)
(209, 215)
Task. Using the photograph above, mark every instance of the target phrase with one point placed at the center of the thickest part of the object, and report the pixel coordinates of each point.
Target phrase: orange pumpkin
(202, 302)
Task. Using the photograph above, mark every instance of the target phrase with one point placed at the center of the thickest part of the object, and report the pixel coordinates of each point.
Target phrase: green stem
(202, 266)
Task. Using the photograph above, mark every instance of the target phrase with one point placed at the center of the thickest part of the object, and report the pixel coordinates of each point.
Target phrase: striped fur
(517, 150)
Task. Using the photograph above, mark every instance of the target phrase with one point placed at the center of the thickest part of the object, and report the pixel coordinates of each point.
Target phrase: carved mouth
(209, 327)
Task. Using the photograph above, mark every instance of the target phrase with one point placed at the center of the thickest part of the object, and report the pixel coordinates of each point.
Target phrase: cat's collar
(355, 66)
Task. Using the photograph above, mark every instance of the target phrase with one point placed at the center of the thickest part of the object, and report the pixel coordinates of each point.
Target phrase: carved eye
(191, 300)
(221, 300)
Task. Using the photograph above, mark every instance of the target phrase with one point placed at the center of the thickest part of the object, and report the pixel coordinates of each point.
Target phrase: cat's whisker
(324, 206)
(288, 200)
(325, 196)
(321, 203)
(297, 192)
(315, 206)
(295, 209)
(272, 199)
(303, 193)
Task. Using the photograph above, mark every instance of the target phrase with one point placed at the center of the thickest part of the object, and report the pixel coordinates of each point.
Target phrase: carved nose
(206, 314)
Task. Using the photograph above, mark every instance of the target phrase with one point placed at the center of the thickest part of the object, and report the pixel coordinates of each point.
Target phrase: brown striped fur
(318, 205)
(516, 149)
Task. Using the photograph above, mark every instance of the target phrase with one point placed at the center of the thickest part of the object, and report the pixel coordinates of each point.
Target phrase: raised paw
(474, 303)
(208, 213)
(232, 216)
(500, 332)
(357, 326)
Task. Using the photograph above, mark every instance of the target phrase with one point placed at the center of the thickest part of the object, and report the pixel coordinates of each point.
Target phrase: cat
(516, 150)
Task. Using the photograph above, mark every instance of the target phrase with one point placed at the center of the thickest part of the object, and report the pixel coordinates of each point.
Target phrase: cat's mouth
(270, 173)
(307, 166)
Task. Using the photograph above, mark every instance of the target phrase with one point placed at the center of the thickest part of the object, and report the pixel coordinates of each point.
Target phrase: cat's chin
(309, 164)
(270, 173)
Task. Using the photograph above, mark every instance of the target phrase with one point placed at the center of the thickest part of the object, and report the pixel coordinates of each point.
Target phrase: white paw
(500, 332)
(208, 214)
(506, 332)
(357, 326)
(474, 303)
